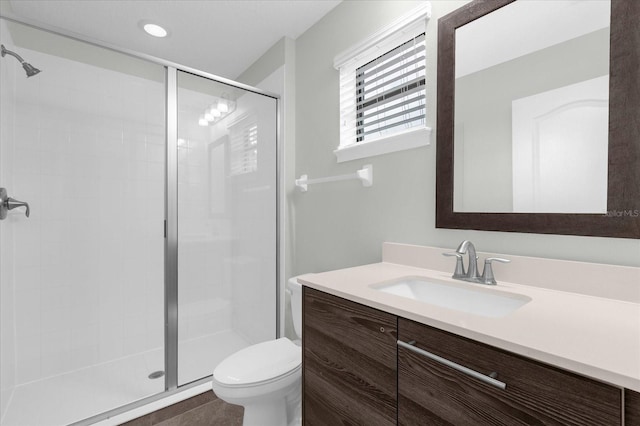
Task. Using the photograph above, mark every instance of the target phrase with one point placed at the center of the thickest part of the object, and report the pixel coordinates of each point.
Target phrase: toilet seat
(259, 364)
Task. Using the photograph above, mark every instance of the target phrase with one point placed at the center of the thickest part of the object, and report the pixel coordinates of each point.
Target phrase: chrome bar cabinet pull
(469, 372)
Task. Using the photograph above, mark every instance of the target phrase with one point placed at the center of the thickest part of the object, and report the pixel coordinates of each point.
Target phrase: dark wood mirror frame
(623, 195)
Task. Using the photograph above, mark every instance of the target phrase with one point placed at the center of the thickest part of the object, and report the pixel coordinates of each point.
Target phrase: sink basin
(461, 297)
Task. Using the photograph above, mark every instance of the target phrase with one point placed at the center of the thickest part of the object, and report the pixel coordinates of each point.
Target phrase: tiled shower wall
(88, 155)
(7, 337)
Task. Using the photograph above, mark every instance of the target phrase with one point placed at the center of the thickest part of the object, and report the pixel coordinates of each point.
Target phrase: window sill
(399, 142)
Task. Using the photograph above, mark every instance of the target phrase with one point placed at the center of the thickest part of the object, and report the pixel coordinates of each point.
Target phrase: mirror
(538, 117)
(538, 104)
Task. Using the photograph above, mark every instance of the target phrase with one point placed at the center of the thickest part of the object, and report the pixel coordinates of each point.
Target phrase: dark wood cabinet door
(349, 362)
(430, 393)
(631, 408)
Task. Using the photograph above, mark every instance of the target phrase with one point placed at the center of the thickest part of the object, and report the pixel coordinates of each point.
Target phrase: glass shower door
(226, 222)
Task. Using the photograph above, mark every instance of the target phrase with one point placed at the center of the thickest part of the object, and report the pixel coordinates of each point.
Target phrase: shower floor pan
(71, 397)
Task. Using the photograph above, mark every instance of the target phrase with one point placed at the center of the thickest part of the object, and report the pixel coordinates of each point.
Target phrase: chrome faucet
(472, 267)
(471, 275)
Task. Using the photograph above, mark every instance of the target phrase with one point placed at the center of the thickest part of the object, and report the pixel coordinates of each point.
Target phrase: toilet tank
(295, 290)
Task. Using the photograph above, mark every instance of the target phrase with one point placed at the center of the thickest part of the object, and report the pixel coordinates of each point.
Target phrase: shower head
(29, 69)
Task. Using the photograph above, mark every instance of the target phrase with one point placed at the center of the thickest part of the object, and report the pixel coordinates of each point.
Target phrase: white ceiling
(222, 37)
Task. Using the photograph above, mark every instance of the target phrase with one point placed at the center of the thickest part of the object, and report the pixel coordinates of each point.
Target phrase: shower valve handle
(13, 203)
(8, 203)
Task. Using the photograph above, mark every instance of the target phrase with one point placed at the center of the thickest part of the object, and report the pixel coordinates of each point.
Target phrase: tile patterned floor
(201, 410)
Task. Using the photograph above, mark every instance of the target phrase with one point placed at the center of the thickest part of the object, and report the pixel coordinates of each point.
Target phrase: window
(243, 138)
(382, 90)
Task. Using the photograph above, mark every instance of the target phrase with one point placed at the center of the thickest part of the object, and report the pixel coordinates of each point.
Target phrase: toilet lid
(260, 362)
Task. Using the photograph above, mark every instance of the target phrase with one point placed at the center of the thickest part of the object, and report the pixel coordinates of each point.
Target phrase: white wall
(342, 224)
(88, 263)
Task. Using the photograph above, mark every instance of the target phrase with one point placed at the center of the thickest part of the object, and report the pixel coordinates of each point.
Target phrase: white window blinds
(390, 91)
(243, 139)
(382, 92)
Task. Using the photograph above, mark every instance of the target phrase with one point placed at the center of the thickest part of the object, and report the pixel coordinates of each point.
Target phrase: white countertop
(593, 336)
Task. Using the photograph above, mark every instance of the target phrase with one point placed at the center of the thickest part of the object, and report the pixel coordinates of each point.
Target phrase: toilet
(265, 378)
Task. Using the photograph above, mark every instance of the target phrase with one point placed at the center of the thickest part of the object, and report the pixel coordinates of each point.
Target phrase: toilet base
(265, 413)
(273, 413)
(272, 404)
(294, 410)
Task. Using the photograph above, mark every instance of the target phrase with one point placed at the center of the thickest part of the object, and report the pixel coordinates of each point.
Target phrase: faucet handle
(459, 271)
(497, 259)
(487, 273)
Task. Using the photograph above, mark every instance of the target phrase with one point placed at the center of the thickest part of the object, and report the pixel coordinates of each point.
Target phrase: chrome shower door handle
(7, 203)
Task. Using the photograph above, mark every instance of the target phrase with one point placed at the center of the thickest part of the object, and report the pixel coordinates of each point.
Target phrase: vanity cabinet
(631, 408)
(358, 371)
(430, 392)
(349, 362)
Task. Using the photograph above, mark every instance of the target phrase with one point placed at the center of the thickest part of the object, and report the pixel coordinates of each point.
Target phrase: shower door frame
(171, 232)
(171, 208)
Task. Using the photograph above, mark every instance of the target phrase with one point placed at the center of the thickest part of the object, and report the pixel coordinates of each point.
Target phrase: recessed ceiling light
(153, 29)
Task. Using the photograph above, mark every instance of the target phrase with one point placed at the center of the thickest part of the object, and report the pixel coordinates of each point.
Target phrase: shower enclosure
(150, 251)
